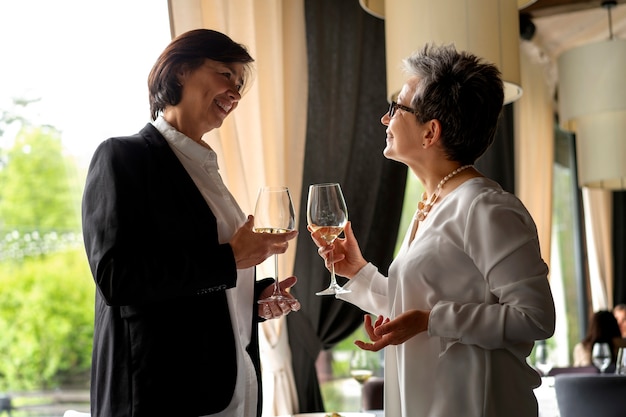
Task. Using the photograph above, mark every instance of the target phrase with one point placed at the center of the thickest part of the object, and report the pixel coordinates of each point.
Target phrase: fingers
(374, 347)
(347, 231)
(287, 283)
(293, 304)
(270, 308)
(275, 309)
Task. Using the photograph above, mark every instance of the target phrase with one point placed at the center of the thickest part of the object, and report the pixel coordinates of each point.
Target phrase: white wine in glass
(328, 214)
(274, 213)
(363, 363)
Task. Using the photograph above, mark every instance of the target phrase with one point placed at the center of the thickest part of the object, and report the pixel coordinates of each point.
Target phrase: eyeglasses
(395, 106)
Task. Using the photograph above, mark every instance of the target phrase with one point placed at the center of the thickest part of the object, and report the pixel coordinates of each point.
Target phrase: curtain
(498, 162)
(619, 247)
(344, 143)
(262, 143)
(534, 141)
(597, 206)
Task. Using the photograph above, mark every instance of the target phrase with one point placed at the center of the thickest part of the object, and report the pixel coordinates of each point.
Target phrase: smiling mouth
(224, 106)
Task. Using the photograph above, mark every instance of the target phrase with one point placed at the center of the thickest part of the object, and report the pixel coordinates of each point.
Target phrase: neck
(424, 206)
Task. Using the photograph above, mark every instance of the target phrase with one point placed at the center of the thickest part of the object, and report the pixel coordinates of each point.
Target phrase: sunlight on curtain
(597, 205)
(262, 143)
(534, 143)
(534, 162)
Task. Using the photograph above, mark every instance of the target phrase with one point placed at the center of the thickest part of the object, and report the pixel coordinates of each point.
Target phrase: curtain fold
(619, 247)
(344, 143)
(498, 162)
(262, 143)
(534, 142)
(598, 206)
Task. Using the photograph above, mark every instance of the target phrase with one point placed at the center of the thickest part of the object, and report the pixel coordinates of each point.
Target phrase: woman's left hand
(385, 332)
(276, 309)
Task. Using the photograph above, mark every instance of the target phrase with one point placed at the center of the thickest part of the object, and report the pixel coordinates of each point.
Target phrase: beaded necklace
(424, 206)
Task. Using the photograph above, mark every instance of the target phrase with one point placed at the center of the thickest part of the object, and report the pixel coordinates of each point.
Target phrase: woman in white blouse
(468, 293)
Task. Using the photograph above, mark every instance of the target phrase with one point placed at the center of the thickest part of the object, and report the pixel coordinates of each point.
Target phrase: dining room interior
(564, 158)
(326, 72)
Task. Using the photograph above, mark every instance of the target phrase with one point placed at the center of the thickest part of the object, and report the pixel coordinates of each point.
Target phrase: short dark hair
(189, 51)
(463, 92)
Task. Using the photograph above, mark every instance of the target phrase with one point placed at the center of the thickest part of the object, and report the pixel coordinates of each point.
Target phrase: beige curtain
(262, 142)
(597, 206)
(534, 141)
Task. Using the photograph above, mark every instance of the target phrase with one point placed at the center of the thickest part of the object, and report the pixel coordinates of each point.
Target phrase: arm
(501, 239)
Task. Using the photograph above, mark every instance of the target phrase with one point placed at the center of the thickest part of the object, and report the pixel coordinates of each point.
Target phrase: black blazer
(163, 340)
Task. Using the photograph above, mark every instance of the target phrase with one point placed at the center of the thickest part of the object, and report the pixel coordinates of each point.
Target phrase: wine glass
(620, 368)
(274, 213)
(601, 356)
(362, 365)
(327, 212)
(542, 358)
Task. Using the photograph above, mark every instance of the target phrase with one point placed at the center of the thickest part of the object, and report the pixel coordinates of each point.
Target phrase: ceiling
(565, 24)
(561, 25)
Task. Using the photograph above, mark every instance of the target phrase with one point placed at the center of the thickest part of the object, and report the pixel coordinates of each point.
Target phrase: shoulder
(487, 210)
(149, 135)
(482, 196)
(131, 149)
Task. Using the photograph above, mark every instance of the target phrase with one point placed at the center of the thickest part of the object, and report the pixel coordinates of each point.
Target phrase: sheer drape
(345, 139)
(598, 207)
(534, 142)
(262, 143)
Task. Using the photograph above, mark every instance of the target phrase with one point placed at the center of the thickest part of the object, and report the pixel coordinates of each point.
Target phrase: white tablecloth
(546, 398)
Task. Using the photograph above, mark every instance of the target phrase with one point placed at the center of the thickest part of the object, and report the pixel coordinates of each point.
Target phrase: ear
(432, 133)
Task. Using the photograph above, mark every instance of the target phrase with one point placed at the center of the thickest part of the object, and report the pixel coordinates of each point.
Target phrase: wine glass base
(333, 291)
(274, 299)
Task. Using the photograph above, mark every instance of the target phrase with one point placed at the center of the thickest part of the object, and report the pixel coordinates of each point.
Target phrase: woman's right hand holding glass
(347, 255)
(251, 248)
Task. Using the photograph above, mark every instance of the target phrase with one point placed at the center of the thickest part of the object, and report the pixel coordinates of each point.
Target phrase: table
(546, 398)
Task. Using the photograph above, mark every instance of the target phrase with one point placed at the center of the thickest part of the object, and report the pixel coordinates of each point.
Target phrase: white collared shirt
(201, 164)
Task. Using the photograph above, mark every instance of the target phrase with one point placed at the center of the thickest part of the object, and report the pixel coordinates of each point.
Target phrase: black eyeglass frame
(393, 106)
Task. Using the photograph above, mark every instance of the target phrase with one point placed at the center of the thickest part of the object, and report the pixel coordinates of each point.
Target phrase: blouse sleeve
(501, 239)
(368, 291)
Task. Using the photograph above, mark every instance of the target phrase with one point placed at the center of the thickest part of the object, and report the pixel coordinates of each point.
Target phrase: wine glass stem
(276, 285)
(333, 279)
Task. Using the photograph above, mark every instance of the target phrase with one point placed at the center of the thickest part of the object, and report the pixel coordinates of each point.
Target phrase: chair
(585, 395)
(573, 370)
(5, 404)
(372, 394)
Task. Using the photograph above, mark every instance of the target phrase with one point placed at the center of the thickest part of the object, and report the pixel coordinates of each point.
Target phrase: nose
(385, 119)
(233, 92)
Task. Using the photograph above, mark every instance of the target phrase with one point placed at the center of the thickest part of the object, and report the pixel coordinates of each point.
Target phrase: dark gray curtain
(619, 247)
(345, 139)
(498, 163)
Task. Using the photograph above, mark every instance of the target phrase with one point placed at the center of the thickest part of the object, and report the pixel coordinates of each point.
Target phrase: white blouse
(475, 264)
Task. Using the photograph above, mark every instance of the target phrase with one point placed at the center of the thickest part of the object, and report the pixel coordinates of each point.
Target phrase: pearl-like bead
(424, 206)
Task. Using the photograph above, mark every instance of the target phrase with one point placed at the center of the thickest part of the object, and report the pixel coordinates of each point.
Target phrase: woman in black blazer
(173, 255)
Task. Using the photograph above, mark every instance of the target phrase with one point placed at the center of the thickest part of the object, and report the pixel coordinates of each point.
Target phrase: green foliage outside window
(46, 320)
(46, 289)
